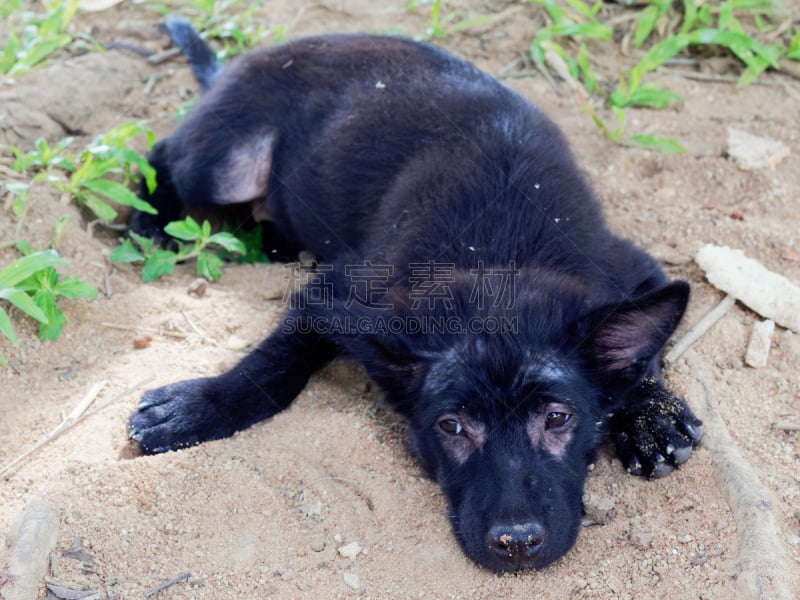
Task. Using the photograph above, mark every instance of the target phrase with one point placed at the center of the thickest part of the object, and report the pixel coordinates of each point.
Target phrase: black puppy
(462, 260)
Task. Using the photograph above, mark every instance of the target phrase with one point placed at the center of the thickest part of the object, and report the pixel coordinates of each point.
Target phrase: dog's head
(509, 444)
(507, 423)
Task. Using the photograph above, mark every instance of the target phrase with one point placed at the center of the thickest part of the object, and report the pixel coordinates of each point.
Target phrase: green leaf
(26, 266)
(581, 8)
(187, 230)
(100, 208)
(588, 77)
(38, 52)
(591, 30)
(87, 171)
(126, 252)
(228, 241)
(56, 320)
(650, 95)
(793, 51)
(6, 329)
(9, 57)
(162, 262)
(119, 194)
(209, 266)
(145, 169)
(146, 244)
(24, 302)
(24, 248)
(660, 144)
(645, 23)
(739, 44)
(72, 288)
(662, 51)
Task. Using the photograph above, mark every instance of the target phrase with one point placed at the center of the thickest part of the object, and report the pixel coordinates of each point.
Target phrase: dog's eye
(555, 420)
(451, 426)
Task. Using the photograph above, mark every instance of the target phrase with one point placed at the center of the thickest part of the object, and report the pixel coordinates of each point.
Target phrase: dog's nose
(516, 543)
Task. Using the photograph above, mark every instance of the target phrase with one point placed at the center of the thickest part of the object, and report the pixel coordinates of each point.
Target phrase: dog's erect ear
(243, 174)
(621, 341)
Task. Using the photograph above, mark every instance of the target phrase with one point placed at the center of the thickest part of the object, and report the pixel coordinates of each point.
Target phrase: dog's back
(331, 137)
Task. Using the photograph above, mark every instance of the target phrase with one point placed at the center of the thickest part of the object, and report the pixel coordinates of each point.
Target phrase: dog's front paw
(655, 432)
(176, 416)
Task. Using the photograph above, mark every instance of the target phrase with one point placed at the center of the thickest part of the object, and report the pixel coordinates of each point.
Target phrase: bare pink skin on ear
(244, 174)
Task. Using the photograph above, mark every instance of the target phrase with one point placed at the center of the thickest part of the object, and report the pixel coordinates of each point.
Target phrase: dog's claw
(656, 432)
(662, 470)
(694, 431)
(174, 416)
(635, 467)
(681, 455)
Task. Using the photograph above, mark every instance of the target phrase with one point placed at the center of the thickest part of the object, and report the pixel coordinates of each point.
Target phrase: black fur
(395, 158)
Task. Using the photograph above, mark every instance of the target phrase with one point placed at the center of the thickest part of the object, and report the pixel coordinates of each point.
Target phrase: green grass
(99, 177)
(442, 25)
(755, 32)
(233, 25)
(34, 286)
(193, 242)
(34, 36)
(92, 176)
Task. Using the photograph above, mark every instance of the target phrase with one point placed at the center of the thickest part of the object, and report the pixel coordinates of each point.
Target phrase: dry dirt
(263, 514)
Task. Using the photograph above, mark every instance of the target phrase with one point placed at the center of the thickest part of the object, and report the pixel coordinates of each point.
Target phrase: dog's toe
(172, 417)
(656, 432)
(681, 455)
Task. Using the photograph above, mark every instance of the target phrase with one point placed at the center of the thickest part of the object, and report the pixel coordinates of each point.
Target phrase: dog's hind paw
(655, 432)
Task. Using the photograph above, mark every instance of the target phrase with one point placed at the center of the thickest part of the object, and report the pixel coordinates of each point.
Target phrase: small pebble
(350, 550)
(752, 152)
(198, 287)
(236, 343)
(640, 537)
(598, 509)
(760, 342)
(352, 580)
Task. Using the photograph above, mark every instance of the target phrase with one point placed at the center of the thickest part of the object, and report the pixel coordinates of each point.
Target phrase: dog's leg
(655, 431)
(263, 383)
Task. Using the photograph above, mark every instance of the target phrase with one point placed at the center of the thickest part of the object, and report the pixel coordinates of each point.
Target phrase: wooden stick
(72, 419)
(166, 584)
(76, 416)
(783, 426)
(176, 334)
(197, 330)
(699, 328)
(761, 569)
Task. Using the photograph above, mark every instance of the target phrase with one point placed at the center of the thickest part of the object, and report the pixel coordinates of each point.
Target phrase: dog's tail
(201, 57)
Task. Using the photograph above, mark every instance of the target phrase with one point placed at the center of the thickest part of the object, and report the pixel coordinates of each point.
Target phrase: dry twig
(762, 571)
(699, 328)
(72, 419)
(166, 584)
(175, 334)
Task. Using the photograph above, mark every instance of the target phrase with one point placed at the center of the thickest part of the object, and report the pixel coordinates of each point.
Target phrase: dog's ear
(621, 341)
(391, 362)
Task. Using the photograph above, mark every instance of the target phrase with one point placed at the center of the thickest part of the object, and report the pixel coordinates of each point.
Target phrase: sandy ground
(263, 514)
